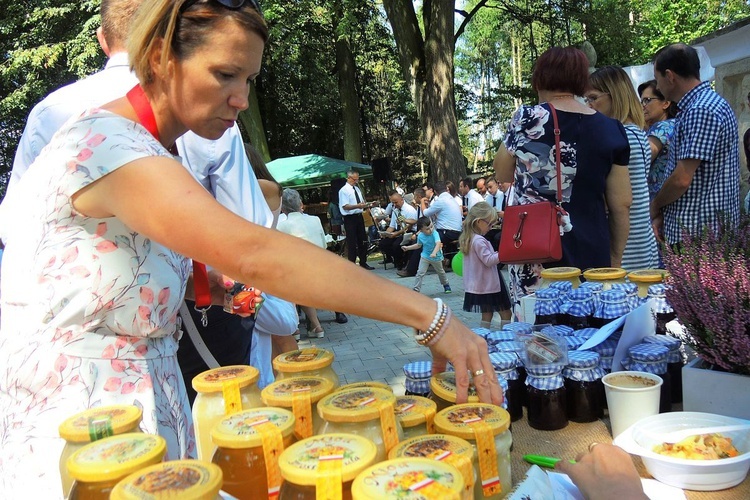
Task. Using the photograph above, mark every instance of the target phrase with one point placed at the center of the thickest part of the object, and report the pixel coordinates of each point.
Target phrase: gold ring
(591, 446)
(478, 373)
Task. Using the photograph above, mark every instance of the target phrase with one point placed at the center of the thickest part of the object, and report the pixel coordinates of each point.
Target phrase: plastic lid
(648, 275)
(240, 430)
(366, 383)
(357, 404)
(184, 479)
(281, 393)
(213, 380)
(561, 272)
(299, 462)
(122, 418)
(604, 273)
(434, 446)
(457, 420)
(417, 478)
(115, 457)
(413, 410)
(443, 385)
(303, 360)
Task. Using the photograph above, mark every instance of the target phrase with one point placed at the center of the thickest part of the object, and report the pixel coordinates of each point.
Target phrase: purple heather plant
(709, 289)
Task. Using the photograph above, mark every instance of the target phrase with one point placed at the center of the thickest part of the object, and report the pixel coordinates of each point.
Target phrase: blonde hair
(626, 107)
(480, 211)
(159, 25)
(116, 17)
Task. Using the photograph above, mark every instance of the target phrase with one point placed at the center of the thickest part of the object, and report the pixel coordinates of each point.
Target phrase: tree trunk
(349, 101)
(251, 120)
(410, 46)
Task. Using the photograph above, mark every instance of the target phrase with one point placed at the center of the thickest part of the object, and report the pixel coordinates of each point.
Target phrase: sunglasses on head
(229, 4)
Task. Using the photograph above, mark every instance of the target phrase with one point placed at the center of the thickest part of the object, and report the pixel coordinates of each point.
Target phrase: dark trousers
(356, 240)
(391, 248)
(493, 236)
(448, 235)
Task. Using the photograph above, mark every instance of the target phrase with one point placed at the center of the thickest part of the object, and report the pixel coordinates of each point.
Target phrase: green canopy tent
(310, 171)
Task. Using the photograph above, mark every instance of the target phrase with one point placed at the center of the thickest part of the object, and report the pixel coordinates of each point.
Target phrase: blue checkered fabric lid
(606, 351)
(482, 332)
(504, 386)
(670, 343)
(583, 366)
(519, 327)
(418, 370)
(657, 294)
(496, 337)
(561, 330)
(548, 301)
(596, 288)
(651, 358)
(579, 303)
(574, 342)
(613, 303)
(545, 377)
(418, 386)
(511, 347)
(585, 333)
(563, 286)
(505, 364)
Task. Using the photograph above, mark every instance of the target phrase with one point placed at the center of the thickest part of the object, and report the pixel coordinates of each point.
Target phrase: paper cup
(631, 396)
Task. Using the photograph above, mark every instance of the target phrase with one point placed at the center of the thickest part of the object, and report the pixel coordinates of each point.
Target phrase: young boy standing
(432, 253)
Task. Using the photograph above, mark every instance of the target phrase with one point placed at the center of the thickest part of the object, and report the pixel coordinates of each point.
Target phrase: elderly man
(481, 187)
(704, 185)
(446, 213)
(351, 204)
(469, 197)
(402, 219)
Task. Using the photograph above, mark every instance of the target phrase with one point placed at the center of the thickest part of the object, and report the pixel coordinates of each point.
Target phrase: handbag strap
(557, 152)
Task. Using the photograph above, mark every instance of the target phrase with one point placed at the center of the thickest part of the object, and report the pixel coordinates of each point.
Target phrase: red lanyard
(145, 114)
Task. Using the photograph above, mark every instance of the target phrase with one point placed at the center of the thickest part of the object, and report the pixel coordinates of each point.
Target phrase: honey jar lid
(102, 421)
(366, 383)
(561, 273)
(244, 430)
(115, 457)
(434, 446)
(418, 478)
(184, 479)
(282, 392)
(648, 275)
(213, 380)
(358, 404)
(458, 420)
(604, 273)
(443, 385)
(414, 410)
(299, 462)
(302, 360)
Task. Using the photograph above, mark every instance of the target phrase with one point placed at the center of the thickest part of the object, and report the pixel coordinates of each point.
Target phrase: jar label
(100, 427)
(328, 479)
(488, 470)
(388, 426)
(232, 399)
(302, 409)
(463, 464)
(273, 445)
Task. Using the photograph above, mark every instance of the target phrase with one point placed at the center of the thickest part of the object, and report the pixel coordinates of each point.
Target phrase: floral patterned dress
(89, 309)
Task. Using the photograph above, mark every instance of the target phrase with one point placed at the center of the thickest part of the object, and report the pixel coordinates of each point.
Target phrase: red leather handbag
(531, 233)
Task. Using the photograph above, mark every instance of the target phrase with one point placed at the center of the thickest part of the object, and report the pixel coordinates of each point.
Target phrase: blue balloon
(457, 264)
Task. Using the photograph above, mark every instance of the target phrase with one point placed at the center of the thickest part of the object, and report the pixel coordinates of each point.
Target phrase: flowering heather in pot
(709, 289)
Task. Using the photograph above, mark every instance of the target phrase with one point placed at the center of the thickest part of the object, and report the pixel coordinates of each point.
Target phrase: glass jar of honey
(605, 275)
(365, 411)
(92, 425)
(248, 445)
(303, 362)
(486, 427)
(99, 466)
(221, 392)
(183, 479)
(301, 396)
(443, 390)
(444, 448)
(366, 383)
(646, 277)
(416, 415)
(409, 478)
(553, 274)
(328, 462)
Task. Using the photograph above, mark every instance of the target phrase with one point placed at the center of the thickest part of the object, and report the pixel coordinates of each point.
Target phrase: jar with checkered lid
(564, 287)
(506, 368)
(577, 308)
(547, 306)
(613, 303)
(547, 397)
(606, 351)
(519, 327)
(664, 311)
(559, 330)
(417, 381)
(631, 291)
(596, 290)
(652, 358)
(583, 383)
(496, 337)
(644, 278)
(674, 362)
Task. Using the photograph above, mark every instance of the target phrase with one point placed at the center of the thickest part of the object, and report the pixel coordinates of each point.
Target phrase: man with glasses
(352, 204)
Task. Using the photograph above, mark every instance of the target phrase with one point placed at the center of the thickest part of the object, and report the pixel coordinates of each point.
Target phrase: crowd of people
(123, 178)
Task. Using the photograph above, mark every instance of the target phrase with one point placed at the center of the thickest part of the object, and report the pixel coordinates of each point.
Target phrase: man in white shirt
(469, 197)
(402, 220)
(481, 188)
(446, 214)
(351, 204)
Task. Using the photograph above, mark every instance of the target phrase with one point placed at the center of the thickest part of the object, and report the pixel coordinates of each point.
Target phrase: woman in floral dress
(660, 121)
(96, 261)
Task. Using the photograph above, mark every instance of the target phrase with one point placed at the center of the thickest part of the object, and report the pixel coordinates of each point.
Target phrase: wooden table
(574, 439)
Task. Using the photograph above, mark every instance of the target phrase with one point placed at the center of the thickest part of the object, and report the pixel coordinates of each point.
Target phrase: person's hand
(219, 284)
(467, 352)
(604, 472)
(657, 224)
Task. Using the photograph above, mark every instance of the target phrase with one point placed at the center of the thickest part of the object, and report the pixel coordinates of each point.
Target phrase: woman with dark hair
(595, 183)
(660, 122)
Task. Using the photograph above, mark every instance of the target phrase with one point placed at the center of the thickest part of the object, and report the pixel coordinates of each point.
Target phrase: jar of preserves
(564, 287)
(308, 361)
(409, 478)
(519, 328)
(605, 275)
(506, 368)
(569, 274)
(92, 425)
(366, 384)
(613, 303)
(652, 358)
(367, 411)
(497, 337)
(221, 392)
(547, 306)
(583, 386)
(596, 288)
(248, 446)
(674, 362)
(644, 278)
(606, 351)
(631, 292)
(443, 390)
(416, 415)
(99, 466)
(664, 312)
(301, 396)
(443, 448)
(577, 309)
(183, 479)
(486, 427)
(418, 375)
(545, 389)
(574, 342)
(328, 462)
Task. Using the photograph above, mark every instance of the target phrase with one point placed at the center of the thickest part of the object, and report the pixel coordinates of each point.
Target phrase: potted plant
(709, 290)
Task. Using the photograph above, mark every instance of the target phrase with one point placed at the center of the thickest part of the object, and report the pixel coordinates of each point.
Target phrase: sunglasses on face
(229, 4)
